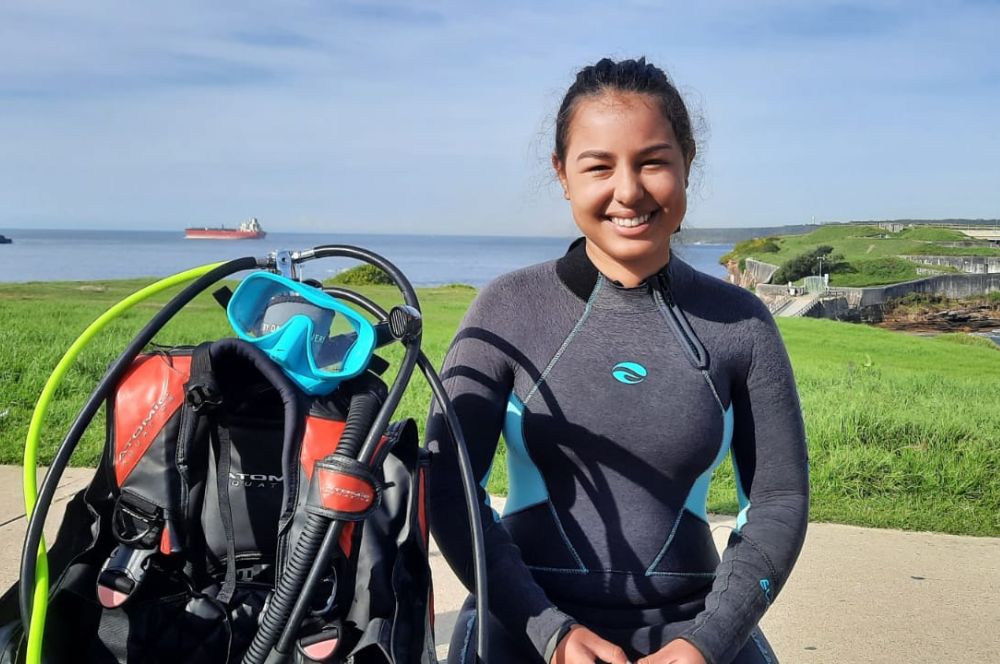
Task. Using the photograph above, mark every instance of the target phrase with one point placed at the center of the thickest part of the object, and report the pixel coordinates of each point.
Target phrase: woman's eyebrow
(601, 154)
(593, 154)
(656, 148)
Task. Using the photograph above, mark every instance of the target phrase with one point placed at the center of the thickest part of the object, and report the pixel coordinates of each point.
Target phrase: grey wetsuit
(616, 405)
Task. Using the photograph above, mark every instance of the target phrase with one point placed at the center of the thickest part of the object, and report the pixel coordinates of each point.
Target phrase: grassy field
(902, 430)
(870, 252)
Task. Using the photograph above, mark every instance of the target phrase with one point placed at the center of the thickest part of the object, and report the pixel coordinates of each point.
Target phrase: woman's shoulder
(718, 299)
(520, 287)
(514, 304)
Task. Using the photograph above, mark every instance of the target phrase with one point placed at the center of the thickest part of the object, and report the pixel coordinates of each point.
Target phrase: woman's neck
(629, 274)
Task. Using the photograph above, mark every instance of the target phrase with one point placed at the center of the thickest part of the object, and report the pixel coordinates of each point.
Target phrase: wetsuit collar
(579, 274)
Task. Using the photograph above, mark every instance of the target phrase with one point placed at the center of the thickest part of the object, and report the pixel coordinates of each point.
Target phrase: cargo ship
(248, 230)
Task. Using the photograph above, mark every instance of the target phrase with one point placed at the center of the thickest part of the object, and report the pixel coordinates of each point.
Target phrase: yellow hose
(41, 590)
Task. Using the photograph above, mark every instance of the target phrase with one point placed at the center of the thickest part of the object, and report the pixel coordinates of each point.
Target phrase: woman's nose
(628, 188)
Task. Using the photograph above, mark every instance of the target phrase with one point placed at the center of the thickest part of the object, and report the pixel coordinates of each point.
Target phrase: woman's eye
(655, 163)
(596, 168)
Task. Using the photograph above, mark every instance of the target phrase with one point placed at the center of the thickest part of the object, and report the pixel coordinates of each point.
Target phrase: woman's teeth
(630, 222)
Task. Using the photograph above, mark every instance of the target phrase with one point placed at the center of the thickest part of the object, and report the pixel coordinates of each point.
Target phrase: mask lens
(333, 343)
(251, 305)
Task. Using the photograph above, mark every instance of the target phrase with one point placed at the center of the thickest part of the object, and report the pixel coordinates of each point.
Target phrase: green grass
(862, 247)
(932, 234)
(940, 250)
(902, 430)
(874, 272)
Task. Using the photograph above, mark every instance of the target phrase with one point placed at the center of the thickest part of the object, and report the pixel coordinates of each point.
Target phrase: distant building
(891, 226)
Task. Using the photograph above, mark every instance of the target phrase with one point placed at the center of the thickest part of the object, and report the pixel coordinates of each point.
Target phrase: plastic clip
(204, 395)
(318, 647)
(121, 575)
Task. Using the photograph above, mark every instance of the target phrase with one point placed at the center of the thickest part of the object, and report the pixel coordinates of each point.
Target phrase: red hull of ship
(221, 234)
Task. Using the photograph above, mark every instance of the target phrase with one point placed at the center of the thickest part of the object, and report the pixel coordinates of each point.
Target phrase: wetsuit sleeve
(478, 375)
(770, 459)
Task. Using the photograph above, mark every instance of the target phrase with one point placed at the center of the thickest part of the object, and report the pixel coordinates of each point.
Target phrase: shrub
(751, 248)
(805, 264)
(362, 275)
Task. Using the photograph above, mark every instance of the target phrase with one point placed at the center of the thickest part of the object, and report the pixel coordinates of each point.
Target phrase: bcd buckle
(318, 647)
(204, 395)
(122, 574)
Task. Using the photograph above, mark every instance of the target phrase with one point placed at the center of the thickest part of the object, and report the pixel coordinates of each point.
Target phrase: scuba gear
(316, 340)
(158, 530)
(35, 591)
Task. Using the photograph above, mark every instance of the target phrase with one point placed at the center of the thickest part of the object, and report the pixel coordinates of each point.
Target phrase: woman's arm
(771, 463)
(479, 376)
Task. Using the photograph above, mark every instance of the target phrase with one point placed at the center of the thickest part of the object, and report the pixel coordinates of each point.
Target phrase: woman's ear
(560, 170)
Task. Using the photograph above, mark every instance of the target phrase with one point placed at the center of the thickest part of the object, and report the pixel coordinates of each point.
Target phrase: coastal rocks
(975, 318)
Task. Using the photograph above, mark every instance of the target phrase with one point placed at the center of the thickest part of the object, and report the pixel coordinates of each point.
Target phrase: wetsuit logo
(629, 373)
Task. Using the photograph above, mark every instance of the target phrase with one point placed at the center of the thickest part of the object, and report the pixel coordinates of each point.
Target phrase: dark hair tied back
(635, 76)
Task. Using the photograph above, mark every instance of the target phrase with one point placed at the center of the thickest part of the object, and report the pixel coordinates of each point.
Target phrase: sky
(437, 117)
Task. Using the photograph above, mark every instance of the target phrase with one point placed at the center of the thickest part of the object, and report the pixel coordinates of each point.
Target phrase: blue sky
(437, 116)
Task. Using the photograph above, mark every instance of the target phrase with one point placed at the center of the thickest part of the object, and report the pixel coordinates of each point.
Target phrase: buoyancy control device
(238, 514)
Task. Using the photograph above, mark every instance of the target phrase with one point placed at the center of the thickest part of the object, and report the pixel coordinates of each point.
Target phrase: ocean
(83, 255)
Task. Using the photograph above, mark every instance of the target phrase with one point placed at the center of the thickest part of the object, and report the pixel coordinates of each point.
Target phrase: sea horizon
(426, 259)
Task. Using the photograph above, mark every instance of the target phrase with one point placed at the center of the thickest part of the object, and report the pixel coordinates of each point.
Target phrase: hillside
(861, 255)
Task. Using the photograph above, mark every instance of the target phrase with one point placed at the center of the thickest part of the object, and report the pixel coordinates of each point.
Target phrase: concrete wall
(945, 285)
(968, 264)
(866, 303)
(756, 272)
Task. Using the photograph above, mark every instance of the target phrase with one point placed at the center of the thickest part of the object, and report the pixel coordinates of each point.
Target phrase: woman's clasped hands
(582, 646)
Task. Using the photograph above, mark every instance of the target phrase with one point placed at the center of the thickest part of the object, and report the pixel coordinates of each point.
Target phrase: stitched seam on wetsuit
(763, 555)
(565, 570)
(711, 386)
(666, 545)
(763, 651)
(718, 601)
(673, 531)
(558, 570)
(562, 531)
(569, 338)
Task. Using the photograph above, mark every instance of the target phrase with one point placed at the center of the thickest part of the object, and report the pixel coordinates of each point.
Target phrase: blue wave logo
(629, 373)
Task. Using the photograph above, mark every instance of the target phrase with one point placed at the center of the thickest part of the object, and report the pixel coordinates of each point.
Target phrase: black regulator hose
(110, 380)
(274, 640)
(464, 464)
(360, 415)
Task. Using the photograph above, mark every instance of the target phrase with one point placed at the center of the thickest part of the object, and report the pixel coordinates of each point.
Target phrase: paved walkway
(857, 594)
(797, 306)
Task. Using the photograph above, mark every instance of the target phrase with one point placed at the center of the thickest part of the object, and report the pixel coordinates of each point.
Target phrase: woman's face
(625, 179)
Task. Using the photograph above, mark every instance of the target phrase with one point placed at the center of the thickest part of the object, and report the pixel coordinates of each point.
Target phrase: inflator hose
(469, 483)
(34, 588)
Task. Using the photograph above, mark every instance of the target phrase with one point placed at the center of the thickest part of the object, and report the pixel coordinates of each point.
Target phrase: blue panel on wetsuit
(527, 487)
(741, 495)
(697, 500)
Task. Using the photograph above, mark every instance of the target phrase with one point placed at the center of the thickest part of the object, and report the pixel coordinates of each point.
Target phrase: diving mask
(317, 340)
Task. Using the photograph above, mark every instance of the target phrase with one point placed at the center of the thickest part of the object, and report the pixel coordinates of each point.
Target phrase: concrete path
(797, 306)
(857, 594)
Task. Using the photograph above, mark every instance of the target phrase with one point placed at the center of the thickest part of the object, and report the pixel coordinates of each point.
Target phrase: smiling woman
(623, 168)
(621, 378)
